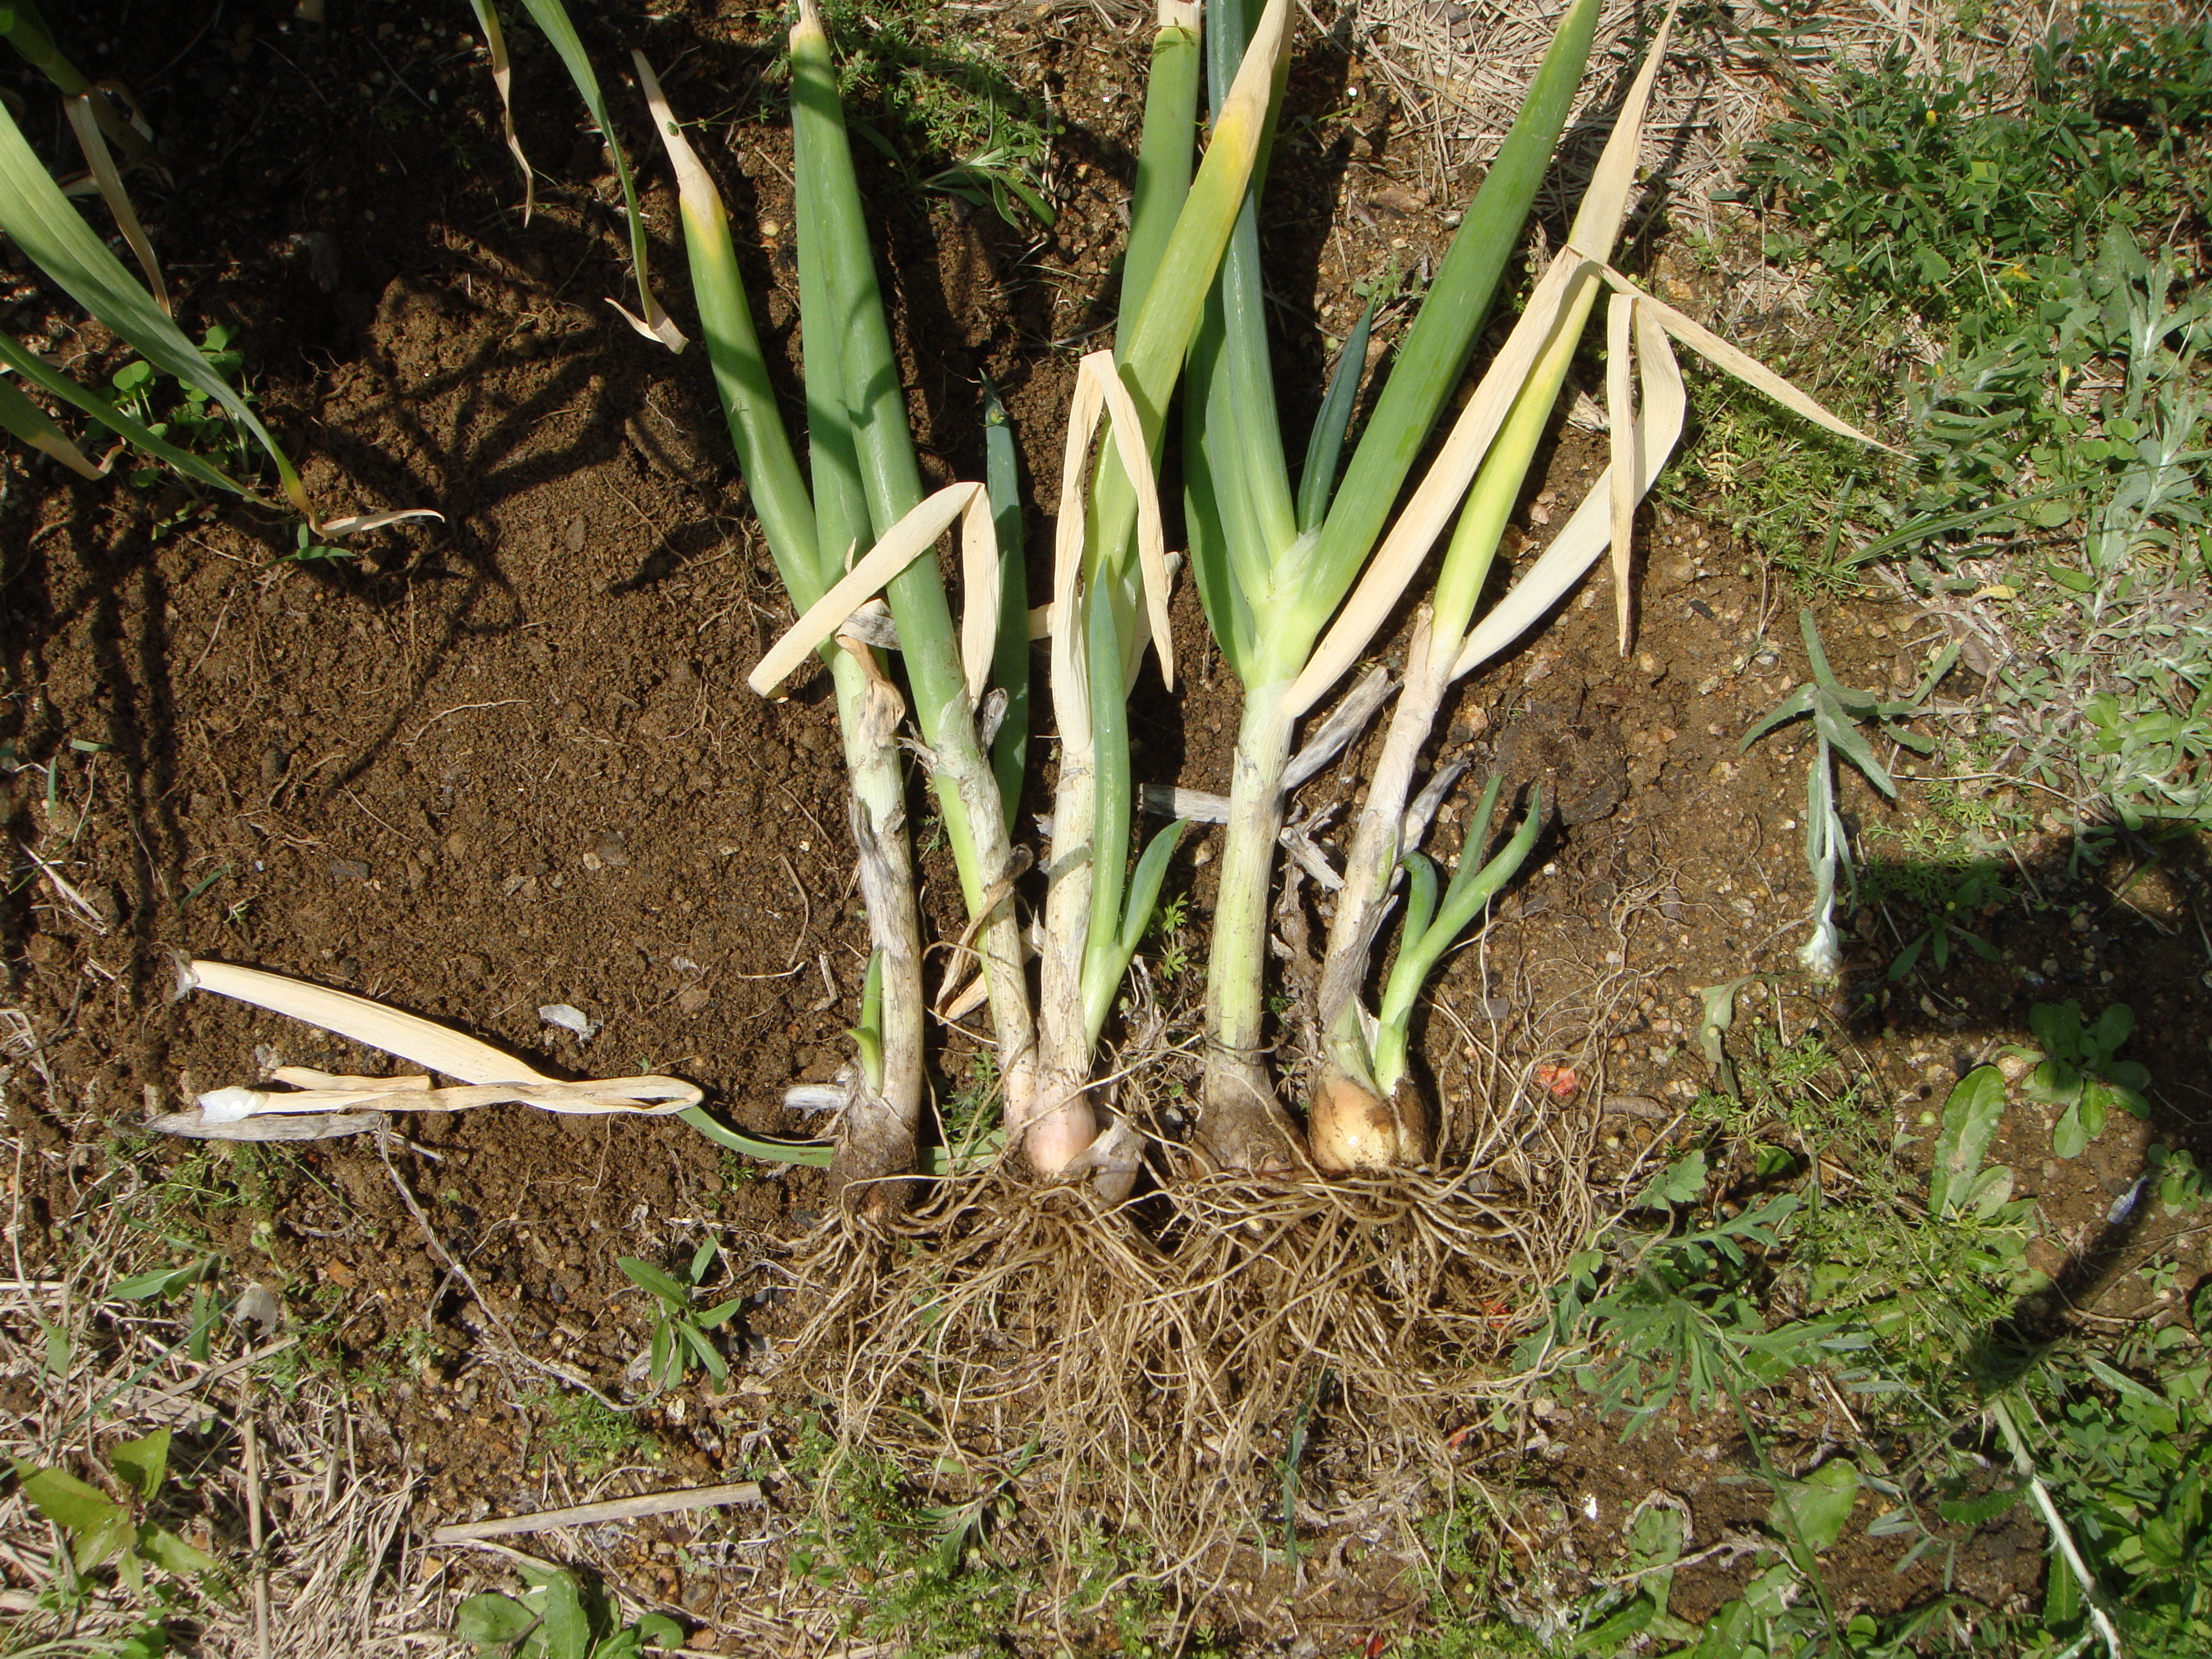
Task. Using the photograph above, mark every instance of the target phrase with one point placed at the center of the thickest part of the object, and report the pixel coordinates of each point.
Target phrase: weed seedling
(193, 420)
(2080, 1073)
(679, 1330)
(558, 1616)
(106, 1531)
(1836, 712)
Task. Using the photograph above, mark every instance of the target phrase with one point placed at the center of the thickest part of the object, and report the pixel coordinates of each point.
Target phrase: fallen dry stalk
(324, 1104)
(613, 1508)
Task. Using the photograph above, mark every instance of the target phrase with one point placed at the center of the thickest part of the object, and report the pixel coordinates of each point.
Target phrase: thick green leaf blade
(144, 1461)
(20, 416)
(1325, 448)
(490, 1619)
(816, 1154)
(647, 1277)
(1145, 886)
(733, 350)
(1010, 661)
(47, 226)
(68, 1502)
(1819, 1504)
(1165, 154)
(1436, 348)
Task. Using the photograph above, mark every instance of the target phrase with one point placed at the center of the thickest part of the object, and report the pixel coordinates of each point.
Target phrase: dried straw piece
(613, 1508)
(335, 1105)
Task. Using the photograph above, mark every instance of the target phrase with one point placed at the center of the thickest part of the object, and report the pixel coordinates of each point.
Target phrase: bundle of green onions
(1285, 575)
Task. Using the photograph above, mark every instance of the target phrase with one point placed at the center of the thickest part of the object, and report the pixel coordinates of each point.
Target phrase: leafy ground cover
(1864, 1294)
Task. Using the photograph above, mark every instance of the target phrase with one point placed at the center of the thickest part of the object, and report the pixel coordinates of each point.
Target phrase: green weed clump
(1983, 216)
(1797, 1257)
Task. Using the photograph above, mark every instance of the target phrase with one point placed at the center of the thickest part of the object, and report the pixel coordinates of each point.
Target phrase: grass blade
(502, 79)
(552, 17)
(47, 226)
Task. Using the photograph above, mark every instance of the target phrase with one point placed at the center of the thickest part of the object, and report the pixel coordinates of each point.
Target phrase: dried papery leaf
(1346, 721)
(1151, 538)
(306, 1076)
(1748, 370)
(903, 543)
(1172, 800)
(1444, 486)
(125, 125)
(978, 597)
(195, 1125)
(1071, 668)
(503, 78)
(20, 416)
(83, 120)
(440, 1047)
(360, 523)
(1574, 548)
(1605, 203)
(607, 1097)
(1620, 421)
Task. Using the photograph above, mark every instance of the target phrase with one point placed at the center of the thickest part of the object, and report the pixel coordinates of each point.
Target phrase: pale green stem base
(877, 1138)
(1242, 1127)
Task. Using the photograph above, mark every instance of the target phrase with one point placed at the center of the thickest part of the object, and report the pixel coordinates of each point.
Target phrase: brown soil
(509, 761)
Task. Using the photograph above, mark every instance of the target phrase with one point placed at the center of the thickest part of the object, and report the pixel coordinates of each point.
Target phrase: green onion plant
(863, 491)
(1110, 587)
(1274, 572)
(1363, 1114)
(1273, 564)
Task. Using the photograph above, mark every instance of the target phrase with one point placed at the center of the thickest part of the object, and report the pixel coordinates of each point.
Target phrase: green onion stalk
(1109, 586)
(1274, 565)
(810, 526)
(834, 243)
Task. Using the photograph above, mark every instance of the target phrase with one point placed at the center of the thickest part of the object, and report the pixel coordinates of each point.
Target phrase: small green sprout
(679, 1331)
